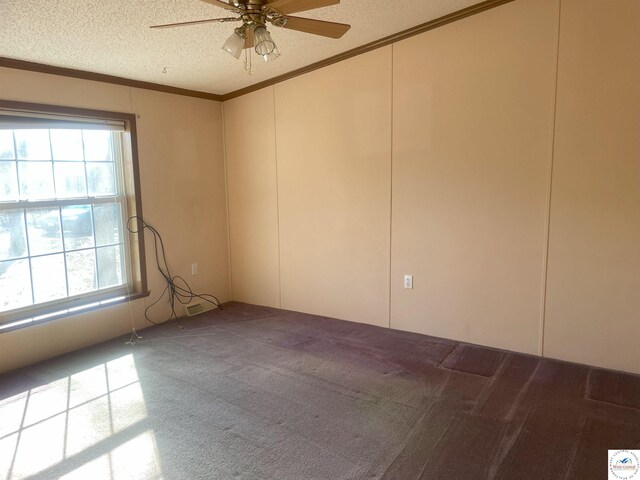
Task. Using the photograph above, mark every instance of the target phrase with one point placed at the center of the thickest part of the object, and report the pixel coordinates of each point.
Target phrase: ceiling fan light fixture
(234, 44)
(275, 53)
(265, 46)
(256, 14)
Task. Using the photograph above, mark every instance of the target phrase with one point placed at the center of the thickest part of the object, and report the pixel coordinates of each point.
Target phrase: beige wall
(334, 148)
(473, 127)
(593, 293)
(472, 123)
(183, 191)
(253, 198)
(309, 225)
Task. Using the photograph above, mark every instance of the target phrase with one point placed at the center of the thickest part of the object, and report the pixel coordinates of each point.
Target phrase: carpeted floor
(258, 393)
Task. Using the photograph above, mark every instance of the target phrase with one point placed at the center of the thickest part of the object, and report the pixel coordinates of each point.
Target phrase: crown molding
(383, 42)
(101, 77)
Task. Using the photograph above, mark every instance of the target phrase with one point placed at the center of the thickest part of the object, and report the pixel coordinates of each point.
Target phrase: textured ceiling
(112, 37)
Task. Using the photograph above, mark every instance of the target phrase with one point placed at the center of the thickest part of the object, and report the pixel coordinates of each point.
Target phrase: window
(68, 182)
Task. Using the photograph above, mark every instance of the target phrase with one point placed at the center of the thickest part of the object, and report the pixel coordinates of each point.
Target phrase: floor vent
(196, 308)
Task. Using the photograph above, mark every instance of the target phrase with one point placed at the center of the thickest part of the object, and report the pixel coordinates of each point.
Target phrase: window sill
(30, 322)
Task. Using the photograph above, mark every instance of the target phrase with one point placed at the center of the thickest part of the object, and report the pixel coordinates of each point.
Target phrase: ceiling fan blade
(219, 3)
(210, 20)
(294, 6)
(317, 27)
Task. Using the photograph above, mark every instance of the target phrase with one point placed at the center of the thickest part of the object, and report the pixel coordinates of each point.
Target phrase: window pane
(43, 226)
(13, 241)
(81, 271)
(49, 282)
(97, 146)
(36, 180)
(6, 145)
(66, 144)
(15, 285)
(77, 227)
(101, 179)
(33, 144)
(64, 247)
(110, 266)
(70, 179)
(8, 181)
(107, 219)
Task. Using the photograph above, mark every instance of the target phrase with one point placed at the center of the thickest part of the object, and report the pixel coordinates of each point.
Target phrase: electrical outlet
(408, 281)
(194, 268)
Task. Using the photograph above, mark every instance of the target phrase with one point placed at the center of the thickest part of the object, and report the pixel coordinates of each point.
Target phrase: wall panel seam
(545, 260)
(275, 147)
(226, 192)
(391, 191)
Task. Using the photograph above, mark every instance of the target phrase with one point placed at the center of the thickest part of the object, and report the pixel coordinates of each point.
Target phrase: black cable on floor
(176, 287)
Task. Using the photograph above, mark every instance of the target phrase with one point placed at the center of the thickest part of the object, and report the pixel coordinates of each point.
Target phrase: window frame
(134, 245)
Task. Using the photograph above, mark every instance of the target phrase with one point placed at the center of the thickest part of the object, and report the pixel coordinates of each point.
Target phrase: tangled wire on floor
(176, 287)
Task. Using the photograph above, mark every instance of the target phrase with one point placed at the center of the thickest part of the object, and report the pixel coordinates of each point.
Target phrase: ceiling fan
(255, 14)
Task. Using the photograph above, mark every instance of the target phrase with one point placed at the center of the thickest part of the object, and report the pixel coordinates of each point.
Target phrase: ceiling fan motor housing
(248, 4)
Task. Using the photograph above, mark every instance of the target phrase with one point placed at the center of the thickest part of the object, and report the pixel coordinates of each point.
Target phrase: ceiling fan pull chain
(248, 64)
